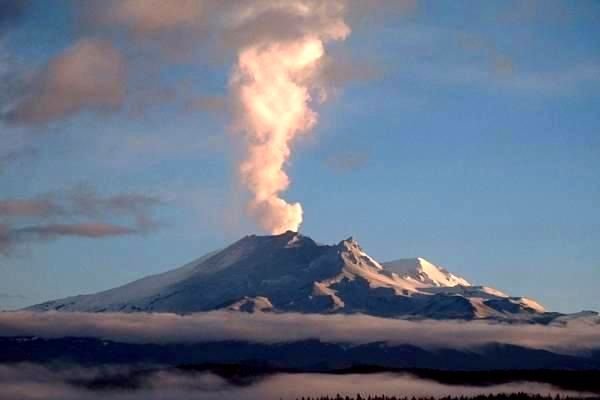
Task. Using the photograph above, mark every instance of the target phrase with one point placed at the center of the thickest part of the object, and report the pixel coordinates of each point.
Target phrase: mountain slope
(424, 273)
(292, 273)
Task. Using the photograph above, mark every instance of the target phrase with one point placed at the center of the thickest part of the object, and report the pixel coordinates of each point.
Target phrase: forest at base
(498, 396)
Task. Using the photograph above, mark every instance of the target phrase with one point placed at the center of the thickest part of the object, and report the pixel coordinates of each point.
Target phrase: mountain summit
(292, 273)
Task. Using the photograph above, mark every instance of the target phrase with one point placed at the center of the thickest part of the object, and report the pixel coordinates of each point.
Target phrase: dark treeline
(501, 396)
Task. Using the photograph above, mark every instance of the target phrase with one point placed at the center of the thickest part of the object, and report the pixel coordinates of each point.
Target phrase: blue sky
(472, 141)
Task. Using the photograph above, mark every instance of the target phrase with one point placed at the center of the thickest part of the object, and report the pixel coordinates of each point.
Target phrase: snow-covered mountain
(424, 273)
(292, 273)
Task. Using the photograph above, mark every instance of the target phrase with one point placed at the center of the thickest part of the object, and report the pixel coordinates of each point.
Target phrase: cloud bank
(34, 382)
(277, 328)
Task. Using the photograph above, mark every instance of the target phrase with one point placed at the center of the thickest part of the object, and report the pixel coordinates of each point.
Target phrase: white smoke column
(272, 84)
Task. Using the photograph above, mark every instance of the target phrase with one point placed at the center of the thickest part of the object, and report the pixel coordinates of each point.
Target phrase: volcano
(293, 273)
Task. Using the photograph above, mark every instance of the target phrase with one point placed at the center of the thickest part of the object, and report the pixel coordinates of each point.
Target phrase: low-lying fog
(35, 382)
(573, 337)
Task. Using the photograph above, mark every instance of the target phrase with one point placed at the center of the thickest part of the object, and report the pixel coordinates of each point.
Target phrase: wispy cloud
(456, 57)
(38, 207)
(74, 213)
(80, 201)
(504, 76)
(347, 161)
(91, 230)
(90, 75)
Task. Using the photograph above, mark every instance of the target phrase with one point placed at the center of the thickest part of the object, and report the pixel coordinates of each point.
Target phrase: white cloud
(275, 328)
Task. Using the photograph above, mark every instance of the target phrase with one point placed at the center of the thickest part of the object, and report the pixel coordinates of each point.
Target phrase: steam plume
(272, 84)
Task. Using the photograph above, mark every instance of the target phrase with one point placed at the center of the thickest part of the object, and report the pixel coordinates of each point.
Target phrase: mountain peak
(425, 272)
(349, 243)
(281, 240)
